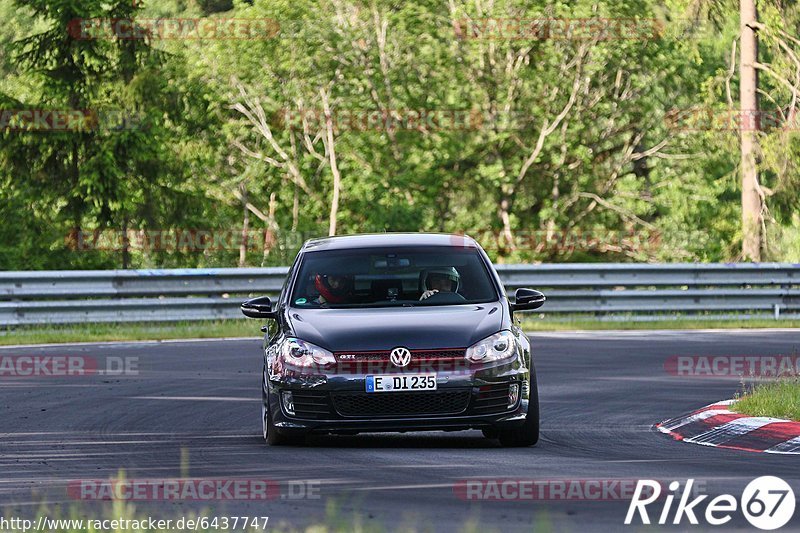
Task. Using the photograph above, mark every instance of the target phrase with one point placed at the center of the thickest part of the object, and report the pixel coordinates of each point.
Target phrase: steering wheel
(445, 297)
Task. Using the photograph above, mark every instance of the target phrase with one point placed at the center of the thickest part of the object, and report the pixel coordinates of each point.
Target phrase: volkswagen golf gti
(396, 332)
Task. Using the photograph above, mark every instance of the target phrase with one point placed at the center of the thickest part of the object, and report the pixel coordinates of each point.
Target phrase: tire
(490, 433)
(272, 435)
(528, 433)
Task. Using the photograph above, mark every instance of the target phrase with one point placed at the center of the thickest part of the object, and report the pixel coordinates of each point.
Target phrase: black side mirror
(527, 299)
(260, 307)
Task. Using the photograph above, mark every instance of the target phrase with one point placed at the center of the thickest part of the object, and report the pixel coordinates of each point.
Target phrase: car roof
(380, 240)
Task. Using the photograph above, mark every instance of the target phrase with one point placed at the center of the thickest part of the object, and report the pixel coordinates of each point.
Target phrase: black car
(396, 332)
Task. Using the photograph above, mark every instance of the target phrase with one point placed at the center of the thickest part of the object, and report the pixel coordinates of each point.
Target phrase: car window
(378, 277)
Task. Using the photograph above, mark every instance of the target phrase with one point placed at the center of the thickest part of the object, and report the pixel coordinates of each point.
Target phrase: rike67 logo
(767, 503)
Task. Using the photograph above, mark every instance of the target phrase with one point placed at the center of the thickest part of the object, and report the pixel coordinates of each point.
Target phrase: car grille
(401, 404)
(491, 398)
(421, 360)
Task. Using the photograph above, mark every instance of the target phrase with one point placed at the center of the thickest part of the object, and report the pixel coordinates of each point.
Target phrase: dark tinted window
(378, 277)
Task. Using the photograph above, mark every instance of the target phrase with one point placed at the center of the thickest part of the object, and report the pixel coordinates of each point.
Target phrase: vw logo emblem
(400, 356)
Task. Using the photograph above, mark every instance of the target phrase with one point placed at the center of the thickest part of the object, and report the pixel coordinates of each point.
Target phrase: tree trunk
(504, 212)
(126, 253)
(295, 207)
(245, 227)
(270, 239)
(334, 166)
(751, 199)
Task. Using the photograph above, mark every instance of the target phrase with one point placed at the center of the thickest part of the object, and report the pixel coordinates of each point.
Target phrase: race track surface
(193, 409)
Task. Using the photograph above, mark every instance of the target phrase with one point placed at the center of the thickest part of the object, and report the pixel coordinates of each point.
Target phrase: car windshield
(388, 277)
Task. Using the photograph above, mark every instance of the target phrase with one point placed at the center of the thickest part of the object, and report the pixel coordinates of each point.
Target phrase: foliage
(776, 399)
(545, 149)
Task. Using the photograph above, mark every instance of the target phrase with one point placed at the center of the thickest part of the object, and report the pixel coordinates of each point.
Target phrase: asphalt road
(193, 410)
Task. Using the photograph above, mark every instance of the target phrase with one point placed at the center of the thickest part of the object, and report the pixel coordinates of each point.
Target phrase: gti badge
(400, 357)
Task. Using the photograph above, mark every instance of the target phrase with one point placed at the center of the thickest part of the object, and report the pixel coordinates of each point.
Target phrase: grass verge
(680, 323)
(121, 516)
(130, 332)
(250, 328)
(778, 399)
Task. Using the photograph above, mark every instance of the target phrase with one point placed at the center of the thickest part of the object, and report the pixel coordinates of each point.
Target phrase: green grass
(250, 328)
(778, 399)
(130, 332)
(680, 323)
(335, 521)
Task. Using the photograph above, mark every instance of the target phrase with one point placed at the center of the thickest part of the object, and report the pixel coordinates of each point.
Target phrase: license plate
(403, 382)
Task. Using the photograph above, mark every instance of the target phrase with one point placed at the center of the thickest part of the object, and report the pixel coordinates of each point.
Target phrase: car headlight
(501, 345)
(296, 352)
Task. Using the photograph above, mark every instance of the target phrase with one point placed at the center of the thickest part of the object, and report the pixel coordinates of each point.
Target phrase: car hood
(451, 326)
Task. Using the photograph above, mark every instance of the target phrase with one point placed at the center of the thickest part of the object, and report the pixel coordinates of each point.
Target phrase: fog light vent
(513, 394)
(288, 402)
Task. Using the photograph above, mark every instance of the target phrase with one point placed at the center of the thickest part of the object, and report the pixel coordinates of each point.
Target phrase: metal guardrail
(605, 290)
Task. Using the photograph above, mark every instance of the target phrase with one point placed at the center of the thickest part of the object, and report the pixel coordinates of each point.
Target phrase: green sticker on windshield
(300, 301)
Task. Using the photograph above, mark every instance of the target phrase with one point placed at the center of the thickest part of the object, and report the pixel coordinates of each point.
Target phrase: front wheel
(528, 433)
(271, 434)
(490, 433)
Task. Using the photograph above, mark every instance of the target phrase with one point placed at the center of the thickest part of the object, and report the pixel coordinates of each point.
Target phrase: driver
(444, 279)
(333, 288)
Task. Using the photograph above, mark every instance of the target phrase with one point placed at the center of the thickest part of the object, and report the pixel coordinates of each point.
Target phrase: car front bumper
(476, 399)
